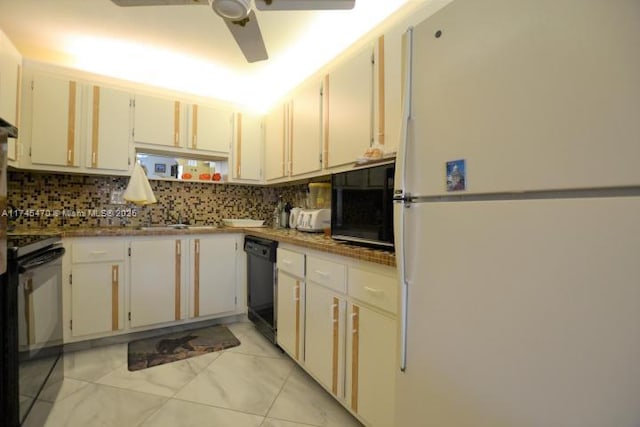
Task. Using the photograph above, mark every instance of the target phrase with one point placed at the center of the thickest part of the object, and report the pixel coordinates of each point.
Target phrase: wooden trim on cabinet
(336, 342)
(115, 294)
(95, 126)
(381, 99)
(71, 124)
(297, 352)
(196, 279)
(176, 123)
(285, 123)
(238, 144)
(354, 356)
(194, 126)
(291, 106)
(325, 122)
(177, 280)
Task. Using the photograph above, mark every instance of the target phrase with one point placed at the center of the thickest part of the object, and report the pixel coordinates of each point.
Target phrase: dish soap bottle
(277, 212)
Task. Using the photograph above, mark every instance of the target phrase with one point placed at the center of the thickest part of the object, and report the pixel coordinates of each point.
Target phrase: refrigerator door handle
(401, 158)
(401, 265)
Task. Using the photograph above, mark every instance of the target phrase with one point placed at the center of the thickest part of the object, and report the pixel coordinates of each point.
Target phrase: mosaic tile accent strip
(58, 200)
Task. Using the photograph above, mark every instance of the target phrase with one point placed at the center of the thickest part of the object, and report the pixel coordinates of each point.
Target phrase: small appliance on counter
(314, 220)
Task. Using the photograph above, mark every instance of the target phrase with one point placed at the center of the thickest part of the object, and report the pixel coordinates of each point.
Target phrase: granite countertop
(317, 241)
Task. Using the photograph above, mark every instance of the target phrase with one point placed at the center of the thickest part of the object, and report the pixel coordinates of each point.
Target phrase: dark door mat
(175, 346)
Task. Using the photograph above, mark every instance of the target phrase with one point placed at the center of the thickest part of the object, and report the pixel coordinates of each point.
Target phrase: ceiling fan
(241, 19)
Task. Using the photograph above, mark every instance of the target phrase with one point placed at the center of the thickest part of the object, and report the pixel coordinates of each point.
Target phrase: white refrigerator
(517, 218)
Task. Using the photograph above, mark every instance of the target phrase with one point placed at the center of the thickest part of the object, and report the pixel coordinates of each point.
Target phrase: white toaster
(314, 220)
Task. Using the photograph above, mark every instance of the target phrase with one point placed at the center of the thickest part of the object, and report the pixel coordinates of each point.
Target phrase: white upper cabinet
(306, 130)
(248, 148)
(10, 80)
(275, 143)
(54, 121)
(348, 93)
(109, 129)
(157, 121)
(10, 63)
(210, 129)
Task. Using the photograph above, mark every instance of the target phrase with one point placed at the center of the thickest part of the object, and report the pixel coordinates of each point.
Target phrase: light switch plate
(116, 197)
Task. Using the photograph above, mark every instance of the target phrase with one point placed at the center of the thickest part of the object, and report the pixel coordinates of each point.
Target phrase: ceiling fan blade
(159, 2)
(249, 38)
(304, 4)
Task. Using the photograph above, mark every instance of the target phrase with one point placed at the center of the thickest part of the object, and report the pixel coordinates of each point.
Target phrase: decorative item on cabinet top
(168, 167)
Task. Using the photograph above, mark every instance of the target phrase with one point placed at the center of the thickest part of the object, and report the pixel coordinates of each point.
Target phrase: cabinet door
(306, 126)
(349, 123)
(210, 129)
(373, 365)
(290, 315)
(109, 129)
(55, 121)
(97, 295)
(213, 260)
(248, 152)
(10, 61)
(156, 281)
(275, 144)
(156, 121)
(324, 335)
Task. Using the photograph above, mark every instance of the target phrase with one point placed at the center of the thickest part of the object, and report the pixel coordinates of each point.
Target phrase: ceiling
(186, 48)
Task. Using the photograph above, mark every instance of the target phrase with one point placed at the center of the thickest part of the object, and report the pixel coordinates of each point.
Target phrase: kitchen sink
(177, 227)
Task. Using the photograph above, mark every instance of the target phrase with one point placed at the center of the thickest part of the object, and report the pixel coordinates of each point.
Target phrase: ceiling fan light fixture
(233, 10)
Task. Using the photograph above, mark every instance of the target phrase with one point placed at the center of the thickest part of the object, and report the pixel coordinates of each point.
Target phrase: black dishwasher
(261, 284)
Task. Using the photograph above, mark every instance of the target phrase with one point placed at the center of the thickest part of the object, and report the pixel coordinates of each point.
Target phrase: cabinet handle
(332, 310)
(373, 290)
(93, 158)
(295, 293)
(322, 273)
(287, 262)
(69, 153)
(98, 252)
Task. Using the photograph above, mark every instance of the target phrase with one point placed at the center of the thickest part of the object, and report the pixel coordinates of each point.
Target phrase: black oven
(362, 206)
(32, 324)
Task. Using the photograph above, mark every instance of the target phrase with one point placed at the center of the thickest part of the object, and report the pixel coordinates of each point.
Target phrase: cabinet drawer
(291, 262)
(328, 273)
(374, 288)
(97, 252)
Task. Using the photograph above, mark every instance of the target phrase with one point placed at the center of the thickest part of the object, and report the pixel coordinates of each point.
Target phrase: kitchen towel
(139, 190)
(149, 352)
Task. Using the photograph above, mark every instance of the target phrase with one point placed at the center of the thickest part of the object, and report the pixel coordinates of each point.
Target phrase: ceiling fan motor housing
(233, 10)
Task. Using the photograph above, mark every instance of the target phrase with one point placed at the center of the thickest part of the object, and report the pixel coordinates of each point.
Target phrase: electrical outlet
(116, 197)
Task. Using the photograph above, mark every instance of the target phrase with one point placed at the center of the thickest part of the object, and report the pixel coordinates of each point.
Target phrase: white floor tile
(163, 380)
(93, 364)
(176, 413)
(272, 422)
(302, 400)
(238, 381)
(103, 406)
(254, 343)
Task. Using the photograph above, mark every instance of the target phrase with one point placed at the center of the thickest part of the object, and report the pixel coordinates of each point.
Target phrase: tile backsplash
(44, 199)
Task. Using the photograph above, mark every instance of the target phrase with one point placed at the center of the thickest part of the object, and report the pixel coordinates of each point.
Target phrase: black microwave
(362, 206)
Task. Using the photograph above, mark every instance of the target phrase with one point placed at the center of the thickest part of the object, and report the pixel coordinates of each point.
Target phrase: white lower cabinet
(157, 278)
(212, 275)
(97, 287)
(290, 303)
(324, 337)
(349, 323)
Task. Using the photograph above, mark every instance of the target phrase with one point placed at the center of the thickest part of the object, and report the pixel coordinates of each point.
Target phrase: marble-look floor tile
(93, 364)
(302, 400)
(102, 406)
(38, 415)
(254, 343)
(163, 380)
(51, 393)
(187, 414)
(272, 422)
(239, 328)
(238, 381)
